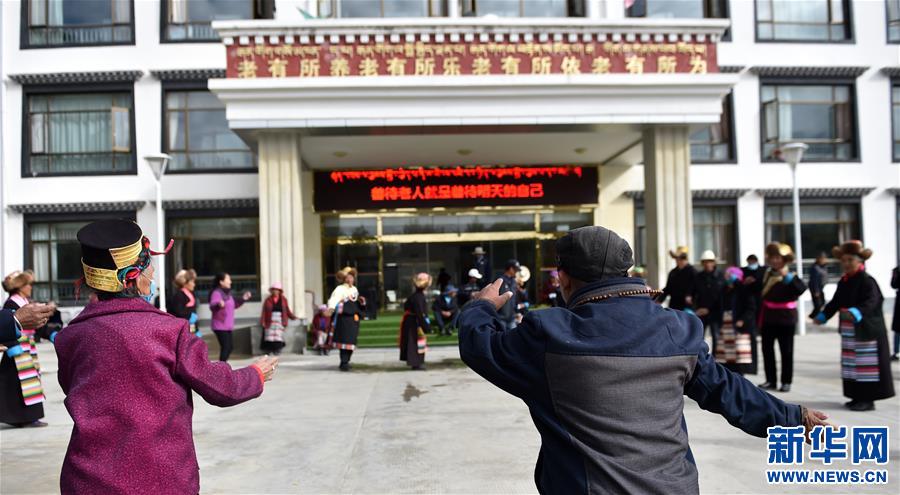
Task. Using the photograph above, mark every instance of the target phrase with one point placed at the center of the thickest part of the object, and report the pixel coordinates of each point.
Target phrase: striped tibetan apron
(859, 358)
(29, 369)
(275, 330)
(733, 347)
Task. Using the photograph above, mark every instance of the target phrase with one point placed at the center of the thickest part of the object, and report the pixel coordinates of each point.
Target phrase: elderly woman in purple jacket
(128, 371)
(222, 304)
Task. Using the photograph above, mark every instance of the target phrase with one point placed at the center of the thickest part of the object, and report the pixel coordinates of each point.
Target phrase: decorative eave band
(78, 77)
(846, 72)
(891, 71)
(31, 209)
(698, 194)
(211, 204)
(818, 192)
(894, 190)
(188, 74)
(731, 69)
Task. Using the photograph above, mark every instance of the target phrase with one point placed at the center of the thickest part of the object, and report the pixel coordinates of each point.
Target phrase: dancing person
(472, 286)
(707, 296)
(865, 354)
(605, 392)
(21, 392)
(818, 277)
(222, 304)
(446, 310)
(778, 319)
(737, 335)
(21, 387)
(274, 320)
(184, 301)
(753, 279)
(415, 325)
(508, 311)
(521, 293)
(321, 330)
(679, 287)
(895, 322)
(128, 371)
(347, 307)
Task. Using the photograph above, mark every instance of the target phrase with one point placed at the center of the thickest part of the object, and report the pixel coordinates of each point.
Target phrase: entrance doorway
(403, 260)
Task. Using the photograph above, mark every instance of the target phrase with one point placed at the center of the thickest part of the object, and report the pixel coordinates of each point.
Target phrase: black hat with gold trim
(113, 254)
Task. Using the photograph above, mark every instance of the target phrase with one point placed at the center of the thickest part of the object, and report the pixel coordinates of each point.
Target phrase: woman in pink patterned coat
(128, 371)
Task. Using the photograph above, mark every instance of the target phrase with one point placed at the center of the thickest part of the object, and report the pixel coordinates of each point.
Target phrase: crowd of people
(740, 304)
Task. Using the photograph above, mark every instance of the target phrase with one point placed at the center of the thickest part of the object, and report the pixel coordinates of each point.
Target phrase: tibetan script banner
(454, 187)
(470, 58)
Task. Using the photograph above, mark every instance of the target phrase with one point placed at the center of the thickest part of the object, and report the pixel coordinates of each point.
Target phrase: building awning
(638, 195)
(817, 192)
(50, 208)
(78, 77)
(188, 74)
(842, 72)
(212, 204)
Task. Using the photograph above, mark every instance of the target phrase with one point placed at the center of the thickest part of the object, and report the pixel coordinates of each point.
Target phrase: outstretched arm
(511, 359)
(745, 406)
(216, 382)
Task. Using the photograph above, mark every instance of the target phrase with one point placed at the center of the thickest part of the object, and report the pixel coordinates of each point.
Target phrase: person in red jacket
(128, 371)
(274, 320)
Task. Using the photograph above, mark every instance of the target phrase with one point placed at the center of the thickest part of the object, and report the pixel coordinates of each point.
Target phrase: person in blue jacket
(605, 376)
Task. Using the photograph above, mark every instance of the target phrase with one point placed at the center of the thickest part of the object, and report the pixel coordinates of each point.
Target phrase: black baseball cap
(594, 253)
(513, 263)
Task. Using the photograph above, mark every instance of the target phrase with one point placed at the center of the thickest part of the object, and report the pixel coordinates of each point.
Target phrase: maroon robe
(128, 370)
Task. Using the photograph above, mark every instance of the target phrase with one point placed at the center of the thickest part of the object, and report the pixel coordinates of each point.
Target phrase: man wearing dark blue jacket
(605, 376)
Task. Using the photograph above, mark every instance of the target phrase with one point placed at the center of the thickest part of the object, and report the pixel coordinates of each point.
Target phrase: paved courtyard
(381, 429)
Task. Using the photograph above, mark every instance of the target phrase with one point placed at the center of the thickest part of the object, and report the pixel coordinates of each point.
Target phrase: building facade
(399, 136)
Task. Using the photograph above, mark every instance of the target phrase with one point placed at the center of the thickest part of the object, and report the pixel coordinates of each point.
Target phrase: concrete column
(312, 243)
(612, 9)
(594, 9)
(615, 210)
(281, 246)
(667, 195)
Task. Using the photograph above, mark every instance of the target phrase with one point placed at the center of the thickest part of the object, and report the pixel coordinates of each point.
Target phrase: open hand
(267, 365)
(34, 315)
(492, 293)
(811, 419)
(247, 296)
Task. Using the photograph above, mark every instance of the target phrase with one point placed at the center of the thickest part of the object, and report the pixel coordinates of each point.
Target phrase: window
(819, 115)
(893, 21)
(895, 120)
(822, 227)
(686, 9)
(714, 228)
(197, 135)
(358, 228)
(53, 252)
(564, 221)
(382, 8)
(80, 133)
(77, 23)
(523, 8)
(803, 20)
(217, 244)
(715, 143)
(192, 19)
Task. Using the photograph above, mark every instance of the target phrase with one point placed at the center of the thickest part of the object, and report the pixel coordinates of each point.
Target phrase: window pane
(349, 227)
(406, 8)
(565, 221)
(801, 20)
(199, 137)
(544, 8)
(501, 8)
(361, 8)
(79, 22)
(692, 9)
(820, 115)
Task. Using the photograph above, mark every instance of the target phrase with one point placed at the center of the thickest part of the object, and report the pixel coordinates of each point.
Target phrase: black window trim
(189, 85)
(887, 25)
(261, 9)
(695, 202)
(472, 9)
(854, 200)
(24, 28)
(726, 14)
(32, 218)
(778, 81)
(894, 83)
(179, 214)
(732, 137)
(848, 20)
(29, 90)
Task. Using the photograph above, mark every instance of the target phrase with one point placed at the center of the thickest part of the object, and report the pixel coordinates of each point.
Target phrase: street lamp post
(792, 154)
(158, 164)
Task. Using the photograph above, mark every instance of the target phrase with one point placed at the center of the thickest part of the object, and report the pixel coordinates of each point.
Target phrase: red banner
(420, 58)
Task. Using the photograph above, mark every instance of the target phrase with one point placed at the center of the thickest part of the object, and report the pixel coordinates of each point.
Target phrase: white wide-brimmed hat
(708, 255)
